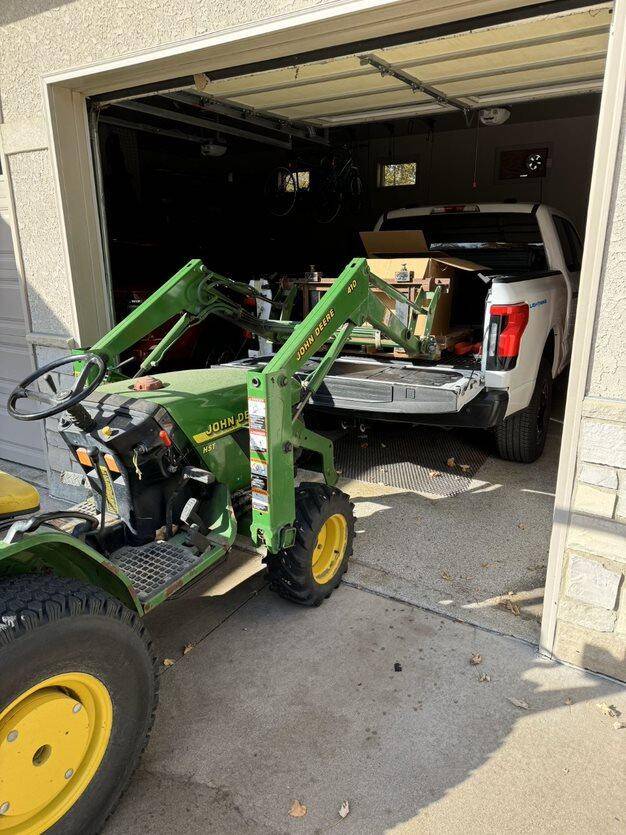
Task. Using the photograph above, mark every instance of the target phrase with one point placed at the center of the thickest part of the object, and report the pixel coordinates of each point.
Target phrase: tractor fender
(57, 553)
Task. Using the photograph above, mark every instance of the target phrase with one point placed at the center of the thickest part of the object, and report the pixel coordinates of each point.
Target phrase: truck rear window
(509, 241)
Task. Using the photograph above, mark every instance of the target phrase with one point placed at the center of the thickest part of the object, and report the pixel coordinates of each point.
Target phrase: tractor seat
(17, 497)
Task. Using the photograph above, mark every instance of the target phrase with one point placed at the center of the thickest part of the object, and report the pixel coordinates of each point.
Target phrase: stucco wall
(591, 627)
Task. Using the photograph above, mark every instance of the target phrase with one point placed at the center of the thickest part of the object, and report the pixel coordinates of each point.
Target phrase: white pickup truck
(521, 310)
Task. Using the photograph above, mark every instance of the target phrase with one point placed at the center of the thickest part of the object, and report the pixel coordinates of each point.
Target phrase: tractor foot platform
(156, 566)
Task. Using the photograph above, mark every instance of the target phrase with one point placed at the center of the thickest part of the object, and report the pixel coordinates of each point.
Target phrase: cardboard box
(426, 270)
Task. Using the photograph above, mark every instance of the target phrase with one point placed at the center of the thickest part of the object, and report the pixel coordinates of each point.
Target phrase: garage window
(393, 174)
(288, 180)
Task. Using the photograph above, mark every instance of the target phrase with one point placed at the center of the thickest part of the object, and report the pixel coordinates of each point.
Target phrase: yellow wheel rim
(52, 740)
(330, 548)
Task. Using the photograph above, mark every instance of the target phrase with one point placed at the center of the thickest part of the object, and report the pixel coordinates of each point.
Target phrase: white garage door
(19, 441)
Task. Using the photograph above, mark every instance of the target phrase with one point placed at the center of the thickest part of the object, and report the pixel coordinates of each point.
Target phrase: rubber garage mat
(419, 458)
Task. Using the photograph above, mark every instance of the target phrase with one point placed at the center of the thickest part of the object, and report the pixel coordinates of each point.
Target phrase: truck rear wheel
(522, 436)
(78, 692)
(312, 568)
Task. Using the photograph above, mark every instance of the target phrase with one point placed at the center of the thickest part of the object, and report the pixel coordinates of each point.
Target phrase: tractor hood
(205, 403)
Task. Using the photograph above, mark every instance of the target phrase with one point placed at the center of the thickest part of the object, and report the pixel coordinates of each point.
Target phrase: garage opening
(472, 155)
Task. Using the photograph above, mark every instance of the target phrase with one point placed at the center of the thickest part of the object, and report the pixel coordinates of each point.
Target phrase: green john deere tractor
(178, 464)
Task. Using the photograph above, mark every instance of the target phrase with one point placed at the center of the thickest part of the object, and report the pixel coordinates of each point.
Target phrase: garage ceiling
(539, 58)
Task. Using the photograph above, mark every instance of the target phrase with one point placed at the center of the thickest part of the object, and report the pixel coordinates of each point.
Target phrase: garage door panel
(572, 33)
(471, 77)
(357, 84)
(541, 76)
(16, 364)
(342, 93)
(354, 103)
(492, 83)
(12, 311)
(558, 29)
(19, 441)
(520, 57)
(285, 77)
(525, 58)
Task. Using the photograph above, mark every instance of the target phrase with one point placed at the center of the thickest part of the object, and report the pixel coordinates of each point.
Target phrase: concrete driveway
(275, 703)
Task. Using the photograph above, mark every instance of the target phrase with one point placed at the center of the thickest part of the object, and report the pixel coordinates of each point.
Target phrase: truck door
(571, 249)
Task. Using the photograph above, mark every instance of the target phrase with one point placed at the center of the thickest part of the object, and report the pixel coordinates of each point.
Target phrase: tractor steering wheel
(59, 401)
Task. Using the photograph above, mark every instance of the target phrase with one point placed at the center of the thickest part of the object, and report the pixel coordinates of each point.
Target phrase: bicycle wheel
(281, 191)
(328, 200)
(355, 190)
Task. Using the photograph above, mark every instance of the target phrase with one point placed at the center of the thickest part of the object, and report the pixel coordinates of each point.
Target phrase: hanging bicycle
(332, 185)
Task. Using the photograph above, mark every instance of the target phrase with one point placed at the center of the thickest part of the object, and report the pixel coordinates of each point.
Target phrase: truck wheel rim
(52, 740)
(330, 548)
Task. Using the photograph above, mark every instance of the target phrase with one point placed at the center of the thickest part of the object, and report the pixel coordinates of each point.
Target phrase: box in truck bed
(402, 258)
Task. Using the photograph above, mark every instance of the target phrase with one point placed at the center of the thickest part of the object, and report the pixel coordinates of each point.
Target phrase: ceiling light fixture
(494, 115)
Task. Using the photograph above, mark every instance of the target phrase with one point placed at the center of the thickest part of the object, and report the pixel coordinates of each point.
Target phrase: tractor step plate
(153, 567)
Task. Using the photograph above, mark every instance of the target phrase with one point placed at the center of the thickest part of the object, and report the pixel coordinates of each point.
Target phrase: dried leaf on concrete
(511, 607)
(483, 677)
(475, 659)
(434, 474)
(450, 462)
(298, 810)
(609, 710)
(168, 662)
(344, 809)
(569, 700)
(445, 576)
(521, 526)
(518, 703)
(187, 648)
(464, 467)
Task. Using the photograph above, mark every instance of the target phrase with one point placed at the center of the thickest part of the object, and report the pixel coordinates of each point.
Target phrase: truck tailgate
(397, 388)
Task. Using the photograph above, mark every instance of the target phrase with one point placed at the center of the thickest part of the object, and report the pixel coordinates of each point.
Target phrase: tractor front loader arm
(192, 294)
(277, 394)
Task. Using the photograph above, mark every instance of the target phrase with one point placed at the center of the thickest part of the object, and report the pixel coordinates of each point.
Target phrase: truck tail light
(507, 323)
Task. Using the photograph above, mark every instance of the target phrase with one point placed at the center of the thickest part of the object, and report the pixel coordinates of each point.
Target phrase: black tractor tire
(58, 629)
(292, 572)
(522, 436)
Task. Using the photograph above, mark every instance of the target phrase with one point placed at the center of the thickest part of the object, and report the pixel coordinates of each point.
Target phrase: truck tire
(78, 693)
(312, 568)
(522, 436)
